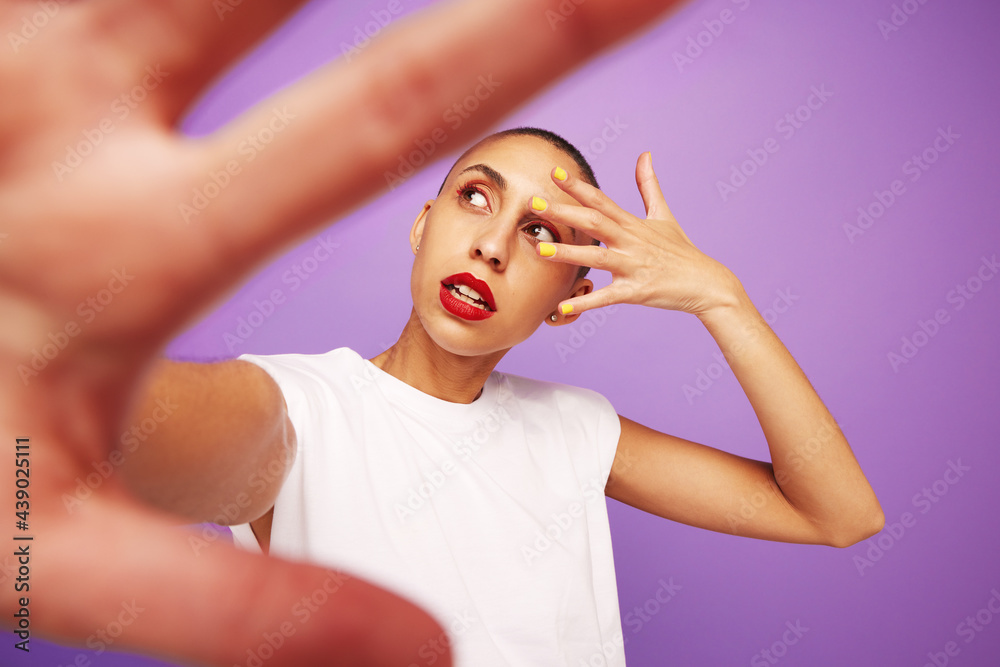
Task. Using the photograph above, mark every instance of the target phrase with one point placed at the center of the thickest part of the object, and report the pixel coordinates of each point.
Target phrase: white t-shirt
(490, 515)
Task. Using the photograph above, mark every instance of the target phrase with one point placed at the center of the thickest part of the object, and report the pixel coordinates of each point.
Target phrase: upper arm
(210, 442)
(704, 487)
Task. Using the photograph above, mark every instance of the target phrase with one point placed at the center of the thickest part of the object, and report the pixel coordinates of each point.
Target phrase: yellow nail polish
(566, 308)
(539, 204)
(560, 174)
(546, 249)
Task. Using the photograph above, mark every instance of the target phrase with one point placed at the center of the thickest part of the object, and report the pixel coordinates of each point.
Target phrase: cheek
(546, 286)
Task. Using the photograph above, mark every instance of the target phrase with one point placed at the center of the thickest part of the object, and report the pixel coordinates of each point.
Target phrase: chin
(473, 339)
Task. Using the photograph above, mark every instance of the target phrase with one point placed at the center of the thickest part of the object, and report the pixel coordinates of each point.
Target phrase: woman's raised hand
(652, 261)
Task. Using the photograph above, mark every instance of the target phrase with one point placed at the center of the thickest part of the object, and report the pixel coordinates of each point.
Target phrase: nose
(492, 243)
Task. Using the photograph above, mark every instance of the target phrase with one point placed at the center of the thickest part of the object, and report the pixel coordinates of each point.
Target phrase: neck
(421, 363)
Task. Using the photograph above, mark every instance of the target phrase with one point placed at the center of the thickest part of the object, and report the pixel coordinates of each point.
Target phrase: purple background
(853, 301)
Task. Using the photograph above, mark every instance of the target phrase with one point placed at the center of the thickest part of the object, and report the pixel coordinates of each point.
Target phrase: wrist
(730, 301)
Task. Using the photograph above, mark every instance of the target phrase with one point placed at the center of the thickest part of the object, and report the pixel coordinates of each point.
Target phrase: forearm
(201, 435)
(813, 463)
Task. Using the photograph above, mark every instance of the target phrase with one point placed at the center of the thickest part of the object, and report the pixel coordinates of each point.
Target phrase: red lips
(460, 308)
(475, 283)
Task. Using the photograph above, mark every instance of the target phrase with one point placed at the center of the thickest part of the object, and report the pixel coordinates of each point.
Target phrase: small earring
(418, 246)
(553, 317)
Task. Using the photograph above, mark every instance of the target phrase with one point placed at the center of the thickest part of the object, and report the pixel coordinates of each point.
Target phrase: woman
(91, 204)
(479, 494)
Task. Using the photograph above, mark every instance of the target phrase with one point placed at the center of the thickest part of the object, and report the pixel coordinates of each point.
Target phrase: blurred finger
(104, 568)
(179, 46)
(335, 139)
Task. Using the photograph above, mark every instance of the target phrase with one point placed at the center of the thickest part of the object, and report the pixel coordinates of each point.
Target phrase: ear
(417, 231)
(580, 287)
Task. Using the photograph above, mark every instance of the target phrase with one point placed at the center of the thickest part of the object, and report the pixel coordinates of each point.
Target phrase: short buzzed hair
(552, 138)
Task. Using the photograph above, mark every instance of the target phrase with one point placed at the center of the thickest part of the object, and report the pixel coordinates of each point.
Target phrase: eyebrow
(501, 182)
(490, 172)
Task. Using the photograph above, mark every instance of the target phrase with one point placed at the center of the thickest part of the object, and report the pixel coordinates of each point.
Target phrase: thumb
(649, 188)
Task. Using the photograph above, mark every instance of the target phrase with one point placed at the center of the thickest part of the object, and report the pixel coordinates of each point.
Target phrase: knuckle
(595, 219)
(601, 257)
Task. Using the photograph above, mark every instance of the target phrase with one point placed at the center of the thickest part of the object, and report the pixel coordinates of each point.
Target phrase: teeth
(461, 296)
(469, 292)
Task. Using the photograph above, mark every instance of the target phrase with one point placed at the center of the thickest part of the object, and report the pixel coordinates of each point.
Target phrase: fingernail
(566, 308)
(560, 174)
(539, 204)
(546, 249)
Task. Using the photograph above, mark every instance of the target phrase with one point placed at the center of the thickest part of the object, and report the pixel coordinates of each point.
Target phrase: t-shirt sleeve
(293, 382)
(597, 426)
(608, 431)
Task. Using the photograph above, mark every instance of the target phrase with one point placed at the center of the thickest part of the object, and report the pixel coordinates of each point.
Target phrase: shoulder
(337, 358)
(554, 394)
(308, 378)
(326, 366)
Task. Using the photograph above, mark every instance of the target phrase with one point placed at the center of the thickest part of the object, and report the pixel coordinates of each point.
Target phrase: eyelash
(469, 187)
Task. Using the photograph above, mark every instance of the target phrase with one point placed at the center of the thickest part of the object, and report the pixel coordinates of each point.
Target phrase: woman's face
(482, 232)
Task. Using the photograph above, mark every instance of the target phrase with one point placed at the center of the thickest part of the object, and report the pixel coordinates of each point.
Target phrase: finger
(578, 305)
(117, 575)
(578, 219)
(649, 189)
(591, 197)
(357, 128)
(652, 194)
(596, 257)
(179, 46)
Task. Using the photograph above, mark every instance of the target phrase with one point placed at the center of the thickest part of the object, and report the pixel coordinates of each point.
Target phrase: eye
(542, 232)
(473, 196)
